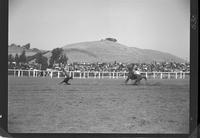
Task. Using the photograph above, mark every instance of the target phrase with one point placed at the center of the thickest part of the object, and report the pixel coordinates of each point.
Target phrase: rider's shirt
(137, 72)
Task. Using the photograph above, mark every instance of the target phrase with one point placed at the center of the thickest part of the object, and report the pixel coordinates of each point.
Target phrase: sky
(162, 25)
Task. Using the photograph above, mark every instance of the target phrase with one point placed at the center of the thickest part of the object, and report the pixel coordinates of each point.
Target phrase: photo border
(194, 127)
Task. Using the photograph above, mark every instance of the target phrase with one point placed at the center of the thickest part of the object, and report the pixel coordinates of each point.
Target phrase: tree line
(58, 56)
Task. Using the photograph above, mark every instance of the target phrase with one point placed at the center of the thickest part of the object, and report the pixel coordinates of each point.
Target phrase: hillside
(108, 51)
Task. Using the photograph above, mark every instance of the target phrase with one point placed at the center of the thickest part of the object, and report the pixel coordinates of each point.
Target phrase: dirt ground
(40, 105)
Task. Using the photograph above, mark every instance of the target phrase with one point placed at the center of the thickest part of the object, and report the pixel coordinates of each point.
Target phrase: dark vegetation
(37, 60)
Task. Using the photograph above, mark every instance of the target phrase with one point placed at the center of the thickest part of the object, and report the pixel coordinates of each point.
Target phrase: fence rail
(94, 74)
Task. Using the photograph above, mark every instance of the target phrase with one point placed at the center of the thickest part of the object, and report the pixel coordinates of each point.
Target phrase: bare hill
(108, 51)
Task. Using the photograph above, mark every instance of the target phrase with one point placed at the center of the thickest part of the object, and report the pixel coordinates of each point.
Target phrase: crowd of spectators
(116, 67)
(143, 67)
(23, 66)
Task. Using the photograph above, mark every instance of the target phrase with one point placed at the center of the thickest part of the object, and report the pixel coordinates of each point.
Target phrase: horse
(66, 80)
(135, 77)
(67, 77)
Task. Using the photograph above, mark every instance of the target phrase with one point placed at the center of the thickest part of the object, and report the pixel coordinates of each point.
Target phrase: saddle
(133, 76)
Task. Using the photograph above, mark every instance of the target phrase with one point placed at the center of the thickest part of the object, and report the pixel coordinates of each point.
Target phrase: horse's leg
(139, 81)
(135, 83)
(145, 79)
(126, 80)
(67, 82)
(61, 82)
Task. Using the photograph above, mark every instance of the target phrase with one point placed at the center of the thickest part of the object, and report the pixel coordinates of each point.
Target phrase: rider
(136, 71)
(67, 76)
(63, 69)
(130, 68)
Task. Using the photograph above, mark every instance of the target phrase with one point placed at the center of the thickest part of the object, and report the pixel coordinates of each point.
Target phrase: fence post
(176, 75)
(51, 74)
(18, 73)
(58, 74)
(154, 75)
(161, 75)
(168, 75)
(14, 73)
(183, 75)
(146, 75)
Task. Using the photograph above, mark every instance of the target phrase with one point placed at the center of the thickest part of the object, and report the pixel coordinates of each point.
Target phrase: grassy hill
(108, 51)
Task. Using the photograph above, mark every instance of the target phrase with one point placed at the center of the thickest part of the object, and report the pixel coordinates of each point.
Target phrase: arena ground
(40, 105)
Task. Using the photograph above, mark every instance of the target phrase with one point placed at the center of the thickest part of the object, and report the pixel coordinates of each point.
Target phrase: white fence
(93, 74)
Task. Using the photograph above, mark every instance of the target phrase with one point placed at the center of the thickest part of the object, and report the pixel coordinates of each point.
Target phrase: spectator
(113, 67)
